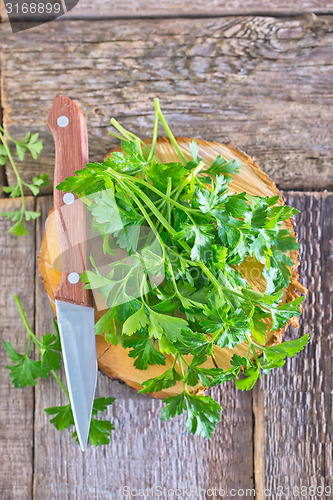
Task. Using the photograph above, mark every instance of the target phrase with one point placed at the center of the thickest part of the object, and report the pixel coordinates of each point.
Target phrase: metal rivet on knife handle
(68, 198)
(62, 121)
(73, 278)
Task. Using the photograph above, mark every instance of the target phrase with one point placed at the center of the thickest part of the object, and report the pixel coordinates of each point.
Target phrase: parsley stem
(7, 135)
(261, 347)
(152, 226)
(168, 203)
(155, 132)
(157, 214)
(25, 322)
(250, 343)
(210, 275)
(121, 288)
(166, 208)
(180, 363)
(144, 212)
(192, 175)
(168, 131)
(60, 383)
(186, 363)
(154, 210)
(174, 362)
(18, 177)
(179, 295)
(117, 136)
(120, 176)
(129, 136)
(248, 350)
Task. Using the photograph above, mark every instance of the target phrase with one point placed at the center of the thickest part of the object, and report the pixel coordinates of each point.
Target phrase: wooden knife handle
(68, 127)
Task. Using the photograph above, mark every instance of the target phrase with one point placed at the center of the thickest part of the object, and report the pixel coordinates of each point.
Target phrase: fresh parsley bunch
(34, 146)
(200, 234)
(25, 371)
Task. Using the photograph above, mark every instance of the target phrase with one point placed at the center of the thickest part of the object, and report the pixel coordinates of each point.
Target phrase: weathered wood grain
(298, 397)
(145, 451)
(230, 462)
(17, 269)
(258, 441)
(263, 83)
(176, 8)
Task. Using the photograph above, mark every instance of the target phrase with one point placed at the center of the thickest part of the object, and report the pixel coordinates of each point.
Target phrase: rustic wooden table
(258, 74)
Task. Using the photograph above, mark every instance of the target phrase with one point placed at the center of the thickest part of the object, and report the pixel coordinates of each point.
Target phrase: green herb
(193, 232)
(26, 371)
(34, 146)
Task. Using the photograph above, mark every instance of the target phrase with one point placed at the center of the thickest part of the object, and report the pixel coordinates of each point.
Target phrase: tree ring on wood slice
(114, 360)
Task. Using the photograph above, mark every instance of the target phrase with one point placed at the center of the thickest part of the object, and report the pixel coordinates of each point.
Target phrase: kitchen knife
(74, 304)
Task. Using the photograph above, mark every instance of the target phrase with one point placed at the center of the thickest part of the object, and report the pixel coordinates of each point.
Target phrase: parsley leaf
(50, 350)
(201, 238)
(250, 377)
(285, 312)
(143, 351)
(167, 379)
(135, 322)
(202, 415)
(171, 326)
(227, 326)
(106, 325)
(221, 166)
(100, 430)
(175, 405)
(289, 348)
(63, 416)
(25, 371)
(205, 375)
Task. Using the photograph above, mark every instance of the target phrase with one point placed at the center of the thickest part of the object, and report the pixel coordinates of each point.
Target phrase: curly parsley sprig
(34, 146)
(180, 221)
(25, 371)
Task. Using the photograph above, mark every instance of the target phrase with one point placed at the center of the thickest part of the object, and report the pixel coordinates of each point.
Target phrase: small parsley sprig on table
(30, 143)
(200, 233)
(25, 371)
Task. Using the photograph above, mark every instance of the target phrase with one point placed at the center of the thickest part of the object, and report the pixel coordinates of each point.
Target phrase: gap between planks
(165, 17)
(3, 181)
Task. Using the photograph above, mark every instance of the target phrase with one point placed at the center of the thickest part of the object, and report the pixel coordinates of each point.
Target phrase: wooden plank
(17, 269)
(230, 461)
(144, 452)
(298, 397)
(263, 83)
(258, 441)
(176, 8)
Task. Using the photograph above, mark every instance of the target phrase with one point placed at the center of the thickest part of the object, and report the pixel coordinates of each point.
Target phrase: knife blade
(74, 304)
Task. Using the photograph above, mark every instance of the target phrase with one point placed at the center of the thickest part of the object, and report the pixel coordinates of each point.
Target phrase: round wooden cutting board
(114, 360)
